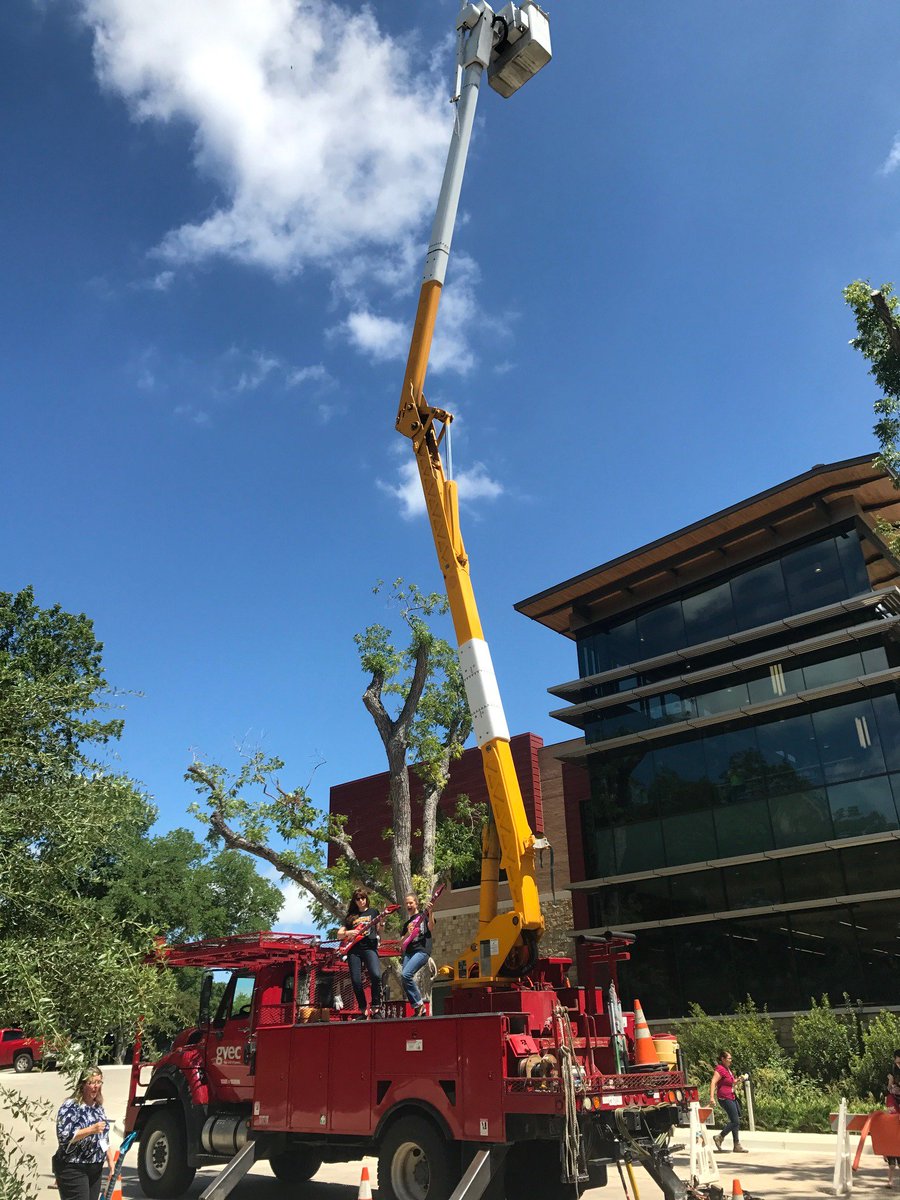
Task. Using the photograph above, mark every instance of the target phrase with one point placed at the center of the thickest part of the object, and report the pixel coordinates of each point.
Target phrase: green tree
(416, 699)
(176, 885)
(66, 971)
(824, 1042)
(877, 315)
(869, 1070)
(749, 1035)
(458, 840)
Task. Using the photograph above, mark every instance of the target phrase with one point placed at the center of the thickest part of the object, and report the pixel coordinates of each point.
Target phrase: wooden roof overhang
(824, 496)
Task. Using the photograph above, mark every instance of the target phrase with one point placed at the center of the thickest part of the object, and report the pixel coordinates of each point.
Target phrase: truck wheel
(533, 1169)
(23, 1062)
(162, 1156)
(295, 1166)
(415, 1162)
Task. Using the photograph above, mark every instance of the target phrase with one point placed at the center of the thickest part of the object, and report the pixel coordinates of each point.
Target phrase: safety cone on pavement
(644, 1050)
(736, 1189)
(365, 1187)
(117, 1189)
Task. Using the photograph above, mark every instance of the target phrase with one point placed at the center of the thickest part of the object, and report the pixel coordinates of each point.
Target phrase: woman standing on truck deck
(82, 1130)
(365, 951)
(417, 953)
(721, 1088)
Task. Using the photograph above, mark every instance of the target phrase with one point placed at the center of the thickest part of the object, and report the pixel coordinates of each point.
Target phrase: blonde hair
(87, 1074)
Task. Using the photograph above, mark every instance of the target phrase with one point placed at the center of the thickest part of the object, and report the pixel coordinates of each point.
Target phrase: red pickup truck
(18, 1051)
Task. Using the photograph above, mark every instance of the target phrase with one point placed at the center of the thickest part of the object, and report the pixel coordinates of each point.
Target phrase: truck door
(226, 1058)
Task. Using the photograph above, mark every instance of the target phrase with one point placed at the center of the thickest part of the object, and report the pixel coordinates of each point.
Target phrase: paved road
(778, 1165)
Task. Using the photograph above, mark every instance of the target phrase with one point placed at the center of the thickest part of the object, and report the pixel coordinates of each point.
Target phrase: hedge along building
(735, 799)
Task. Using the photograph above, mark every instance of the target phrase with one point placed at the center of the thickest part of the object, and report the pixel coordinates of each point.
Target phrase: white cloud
(477, 485)
(313, 374)
(474, 484)
(892, 162)
(325, 136)
(381, 338)
(227, 379)
(384, 339)
(295, 915)
(256, 371)
(189, 412)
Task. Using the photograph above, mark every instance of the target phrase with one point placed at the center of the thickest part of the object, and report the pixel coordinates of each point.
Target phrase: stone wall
(455, 930)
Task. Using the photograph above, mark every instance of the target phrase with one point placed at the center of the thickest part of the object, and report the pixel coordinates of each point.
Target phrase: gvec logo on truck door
(226, 1054)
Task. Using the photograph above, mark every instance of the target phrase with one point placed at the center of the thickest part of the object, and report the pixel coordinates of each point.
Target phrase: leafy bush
(782, 1099)
(869, 1069)
(18, 1166)
(749, 1035)
(824, 1043)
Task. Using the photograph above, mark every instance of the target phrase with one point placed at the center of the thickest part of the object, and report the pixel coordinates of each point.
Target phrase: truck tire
(533, 1169)
(163, 1167)
(295, 1166)
(415, 1162)
(23, 1062)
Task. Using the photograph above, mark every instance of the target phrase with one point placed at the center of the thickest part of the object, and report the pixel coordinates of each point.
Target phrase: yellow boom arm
(506, 941)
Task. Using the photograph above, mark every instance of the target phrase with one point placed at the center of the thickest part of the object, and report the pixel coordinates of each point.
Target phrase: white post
(843, 1171)
(748, 1092)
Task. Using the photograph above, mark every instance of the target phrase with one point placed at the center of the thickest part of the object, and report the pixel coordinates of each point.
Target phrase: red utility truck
(284, 1070)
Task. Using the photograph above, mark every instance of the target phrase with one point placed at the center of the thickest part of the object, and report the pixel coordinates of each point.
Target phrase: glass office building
(738, 803)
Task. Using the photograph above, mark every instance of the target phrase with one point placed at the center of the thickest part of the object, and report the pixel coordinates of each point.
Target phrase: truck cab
(18, 1051)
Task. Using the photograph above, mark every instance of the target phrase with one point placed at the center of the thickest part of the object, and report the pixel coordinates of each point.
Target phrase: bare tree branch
(306, 879)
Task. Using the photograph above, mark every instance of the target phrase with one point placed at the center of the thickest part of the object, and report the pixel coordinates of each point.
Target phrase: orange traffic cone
(117, 1189)
(644, 1050)
(365, 1187)
(736, 1189)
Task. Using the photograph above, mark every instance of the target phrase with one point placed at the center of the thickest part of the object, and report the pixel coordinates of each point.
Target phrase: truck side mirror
(205, 998)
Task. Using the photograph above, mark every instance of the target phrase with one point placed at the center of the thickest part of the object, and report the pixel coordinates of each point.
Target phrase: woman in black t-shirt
(416, 951)
(365, 951)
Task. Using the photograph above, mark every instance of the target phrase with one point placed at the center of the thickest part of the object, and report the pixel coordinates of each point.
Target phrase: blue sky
(213, 221)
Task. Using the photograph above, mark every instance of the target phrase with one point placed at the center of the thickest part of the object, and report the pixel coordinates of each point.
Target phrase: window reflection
(825, 954)
(848, 742)
(864, 806)
(743, 829)
(801, 579)
(809, 876)
(801, 818)
(734, 693)
(782, 960)
(689, 838)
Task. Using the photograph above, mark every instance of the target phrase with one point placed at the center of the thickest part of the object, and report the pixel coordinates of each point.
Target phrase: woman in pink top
(721, 1088)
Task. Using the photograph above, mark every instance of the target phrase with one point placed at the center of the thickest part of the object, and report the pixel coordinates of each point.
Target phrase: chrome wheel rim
(156, 1154)
(410, 1173)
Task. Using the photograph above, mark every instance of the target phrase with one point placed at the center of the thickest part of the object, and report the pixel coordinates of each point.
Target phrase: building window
(800, 579)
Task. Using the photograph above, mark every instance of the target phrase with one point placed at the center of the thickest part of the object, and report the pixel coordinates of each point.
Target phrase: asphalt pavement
(778, 1164)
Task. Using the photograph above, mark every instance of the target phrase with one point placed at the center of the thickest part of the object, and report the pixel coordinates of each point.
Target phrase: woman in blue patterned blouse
(82, 1130)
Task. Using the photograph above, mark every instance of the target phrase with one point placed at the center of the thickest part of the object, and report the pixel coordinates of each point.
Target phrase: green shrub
(749, 1035)
(824, 1043)
(869, 1069)
(782, 1099)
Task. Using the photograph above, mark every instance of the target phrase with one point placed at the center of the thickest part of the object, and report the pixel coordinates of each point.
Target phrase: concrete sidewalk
(778, 1164)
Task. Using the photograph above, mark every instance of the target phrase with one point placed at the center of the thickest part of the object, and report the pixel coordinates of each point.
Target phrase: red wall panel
(365, 801)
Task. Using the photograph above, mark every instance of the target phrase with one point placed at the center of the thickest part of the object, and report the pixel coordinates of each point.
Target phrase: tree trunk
(401, 863)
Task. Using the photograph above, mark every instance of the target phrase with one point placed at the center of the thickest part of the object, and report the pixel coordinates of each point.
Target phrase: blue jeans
(733, 1126)
(412, 964)
(355, 959)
